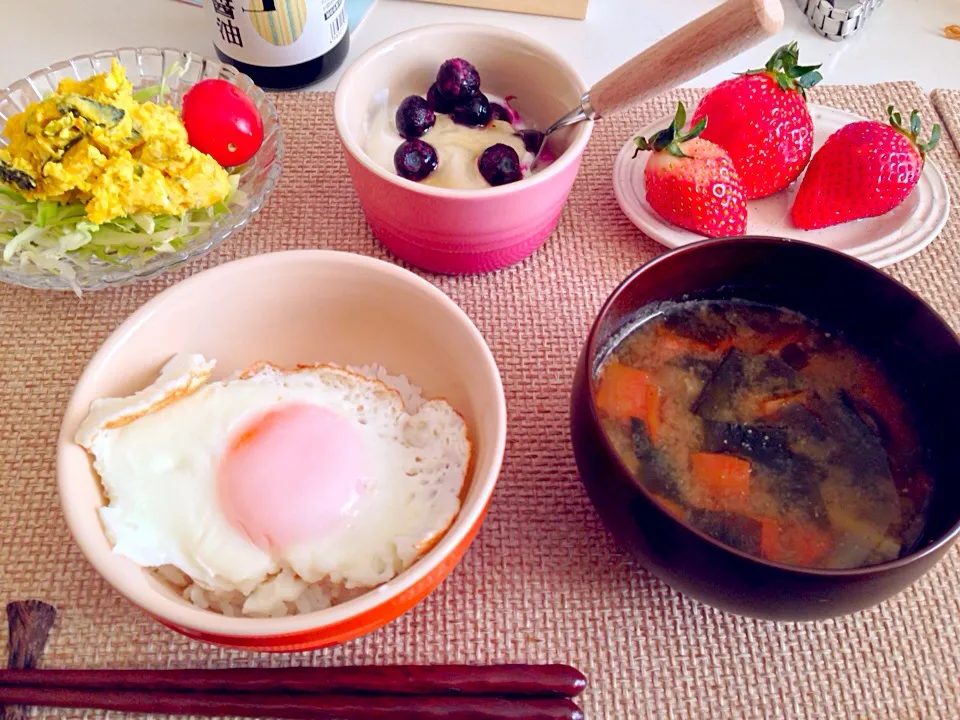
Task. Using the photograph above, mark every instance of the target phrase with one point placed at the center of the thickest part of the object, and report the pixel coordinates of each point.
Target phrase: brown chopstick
(29, 623)
(315, 707)
(501, 680)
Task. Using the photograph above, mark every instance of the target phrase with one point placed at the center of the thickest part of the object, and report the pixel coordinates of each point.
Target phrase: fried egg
(316, 472)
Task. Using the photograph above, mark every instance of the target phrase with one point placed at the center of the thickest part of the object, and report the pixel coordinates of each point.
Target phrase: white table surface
(902, 41)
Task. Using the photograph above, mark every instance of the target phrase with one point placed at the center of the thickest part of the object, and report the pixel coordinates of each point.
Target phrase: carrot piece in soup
(770, 539)
(623, 391)
(626, 392)
(724, 477)
(804, 545)
(793, 543)
(673, 344)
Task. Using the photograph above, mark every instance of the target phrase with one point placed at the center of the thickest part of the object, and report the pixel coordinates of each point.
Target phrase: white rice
(285, 593)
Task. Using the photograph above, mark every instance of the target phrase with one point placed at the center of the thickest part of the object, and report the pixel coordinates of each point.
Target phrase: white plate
(881, 241)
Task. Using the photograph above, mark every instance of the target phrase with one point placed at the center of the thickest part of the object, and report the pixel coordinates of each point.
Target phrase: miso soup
(767, 432)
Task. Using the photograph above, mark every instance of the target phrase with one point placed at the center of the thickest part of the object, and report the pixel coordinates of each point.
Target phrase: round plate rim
(880, 253)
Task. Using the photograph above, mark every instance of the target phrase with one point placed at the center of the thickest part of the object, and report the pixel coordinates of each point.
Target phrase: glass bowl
(145, 68)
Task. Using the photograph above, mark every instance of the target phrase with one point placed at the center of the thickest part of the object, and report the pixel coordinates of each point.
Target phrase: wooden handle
(708, 41)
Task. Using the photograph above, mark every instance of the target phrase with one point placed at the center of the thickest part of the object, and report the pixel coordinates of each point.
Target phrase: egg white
(157, 454)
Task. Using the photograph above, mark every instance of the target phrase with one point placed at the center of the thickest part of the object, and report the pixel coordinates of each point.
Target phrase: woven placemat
(947, 103)
(543, 582)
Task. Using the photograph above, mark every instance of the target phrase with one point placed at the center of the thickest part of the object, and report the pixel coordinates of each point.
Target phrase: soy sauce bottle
(280, 44)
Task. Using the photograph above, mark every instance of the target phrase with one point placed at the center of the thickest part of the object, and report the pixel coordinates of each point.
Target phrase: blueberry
(474, 112)
(458, 80)
(532, 139)
(414, 117)
(499, 164)
(437, 102)
(499, 112)
(415, 159)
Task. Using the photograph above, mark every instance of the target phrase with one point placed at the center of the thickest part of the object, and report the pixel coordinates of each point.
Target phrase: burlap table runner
(543, 582)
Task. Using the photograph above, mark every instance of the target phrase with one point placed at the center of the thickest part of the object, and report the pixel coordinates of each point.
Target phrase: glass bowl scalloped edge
(145, 67)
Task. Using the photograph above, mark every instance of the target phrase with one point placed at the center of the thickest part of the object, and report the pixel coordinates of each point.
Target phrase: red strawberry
(761, 119)
(864, 169)
(691, 182)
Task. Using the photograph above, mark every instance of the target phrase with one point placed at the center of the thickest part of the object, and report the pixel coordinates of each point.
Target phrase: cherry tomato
(222, 121)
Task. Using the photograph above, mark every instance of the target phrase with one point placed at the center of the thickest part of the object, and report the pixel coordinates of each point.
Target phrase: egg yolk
(291, 474)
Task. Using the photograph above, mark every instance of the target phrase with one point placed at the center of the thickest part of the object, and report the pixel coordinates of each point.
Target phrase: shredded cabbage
(157, 93)
(60, 239)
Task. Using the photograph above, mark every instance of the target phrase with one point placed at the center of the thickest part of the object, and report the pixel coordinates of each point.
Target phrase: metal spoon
(711, 39)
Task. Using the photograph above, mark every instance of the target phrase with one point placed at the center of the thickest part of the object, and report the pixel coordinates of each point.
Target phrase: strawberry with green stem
(691, 182)
(864, 169)
(761, 118)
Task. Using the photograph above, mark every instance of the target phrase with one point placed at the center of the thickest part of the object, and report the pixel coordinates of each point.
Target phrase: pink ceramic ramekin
(461, 231)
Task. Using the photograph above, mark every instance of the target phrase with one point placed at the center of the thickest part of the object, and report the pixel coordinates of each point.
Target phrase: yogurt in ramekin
(454, 136)
(458, 147)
